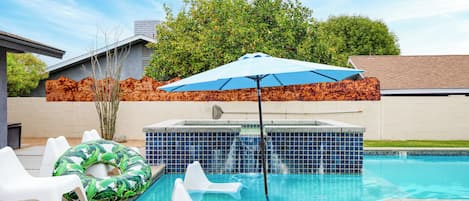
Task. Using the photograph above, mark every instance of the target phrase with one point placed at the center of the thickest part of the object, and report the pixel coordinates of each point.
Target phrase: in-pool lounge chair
(179, 192)
(17, 184)
(196, 180)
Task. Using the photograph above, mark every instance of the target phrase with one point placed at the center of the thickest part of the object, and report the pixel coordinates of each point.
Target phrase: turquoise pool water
(384, 177)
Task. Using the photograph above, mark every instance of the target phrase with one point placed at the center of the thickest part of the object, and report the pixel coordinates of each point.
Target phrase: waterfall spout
(402, 154)
(278, 166)
(230, 159)
(244, 157)
(321, 163)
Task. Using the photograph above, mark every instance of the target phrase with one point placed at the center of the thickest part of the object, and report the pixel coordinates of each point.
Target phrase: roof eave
(19, 44)
(76, 60)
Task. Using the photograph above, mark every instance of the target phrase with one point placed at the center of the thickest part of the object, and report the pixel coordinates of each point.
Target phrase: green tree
(24, 71)
(209, 33)
(358, 35)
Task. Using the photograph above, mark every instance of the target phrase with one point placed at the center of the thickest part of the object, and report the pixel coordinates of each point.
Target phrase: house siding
(133, 68)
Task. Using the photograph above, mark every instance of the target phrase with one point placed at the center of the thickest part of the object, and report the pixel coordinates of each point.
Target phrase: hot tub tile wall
(298, 152)
(177, 149)
(302, 152)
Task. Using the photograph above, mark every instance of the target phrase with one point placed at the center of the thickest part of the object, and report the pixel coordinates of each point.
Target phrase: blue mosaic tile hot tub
(232, 146)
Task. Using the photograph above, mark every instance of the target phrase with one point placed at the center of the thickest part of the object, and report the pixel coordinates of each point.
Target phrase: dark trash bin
(14, 135)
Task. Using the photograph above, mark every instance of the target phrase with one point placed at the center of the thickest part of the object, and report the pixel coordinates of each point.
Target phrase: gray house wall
(139, 57)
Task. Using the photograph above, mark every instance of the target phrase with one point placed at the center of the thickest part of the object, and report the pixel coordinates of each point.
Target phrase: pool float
(133, 180)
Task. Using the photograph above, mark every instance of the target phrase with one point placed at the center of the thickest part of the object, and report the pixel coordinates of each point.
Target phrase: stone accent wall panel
(146, 89)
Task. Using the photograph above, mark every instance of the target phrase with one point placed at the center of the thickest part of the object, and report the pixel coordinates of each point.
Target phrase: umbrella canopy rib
(223, 85)
(325, 76)
(175, 88)
(278, 80)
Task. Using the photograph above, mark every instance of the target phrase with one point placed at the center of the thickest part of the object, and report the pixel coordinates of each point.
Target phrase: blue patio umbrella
(259, 70)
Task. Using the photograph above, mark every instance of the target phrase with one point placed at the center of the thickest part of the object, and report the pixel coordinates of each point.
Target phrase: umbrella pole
(262, 143)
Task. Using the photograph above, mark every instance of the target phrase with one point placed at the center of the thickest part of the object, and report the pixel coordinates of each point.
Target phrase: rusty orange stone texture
(146, 89)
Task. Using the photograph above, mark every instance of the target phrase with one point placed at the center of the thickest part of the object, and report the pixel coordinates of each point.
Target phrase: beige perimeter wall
(397, 118)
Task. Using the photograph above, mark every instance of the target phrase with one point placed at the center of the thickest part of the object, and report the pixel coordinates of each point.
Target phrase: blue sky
(424, 27)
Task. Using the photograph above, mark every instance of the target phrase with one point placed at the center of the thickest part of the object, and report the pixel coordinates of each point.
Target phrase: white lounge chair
(196, 180)
(17, 184)
(179, 192)
(55, 147)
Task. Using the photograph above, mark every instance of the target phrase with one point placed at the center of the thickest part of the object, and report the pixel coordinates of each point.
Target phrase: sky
(423, 27)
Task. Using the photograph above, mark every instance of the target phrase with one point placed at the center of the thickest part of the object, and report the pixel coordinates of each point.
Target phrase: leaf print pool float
(133, 180)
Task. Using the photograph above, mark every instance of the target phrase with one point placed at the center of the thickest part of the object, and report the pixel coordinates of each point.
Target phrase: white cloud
(464, 26)
(423, 27)
(433, 35)
(145, 10)
(64, 16)
(391, 11)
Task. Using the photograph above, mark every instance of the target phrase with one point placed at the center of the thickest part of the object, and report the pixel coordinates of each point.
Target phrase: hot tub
(232, 146)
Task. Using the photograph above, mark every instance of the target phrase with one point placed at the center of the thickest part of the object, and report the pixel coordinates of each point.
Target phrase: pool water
(384, 177)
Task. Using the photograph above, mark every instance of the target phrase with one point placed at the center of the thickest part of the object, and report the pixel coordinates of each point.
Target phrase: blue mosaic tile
(225, 152)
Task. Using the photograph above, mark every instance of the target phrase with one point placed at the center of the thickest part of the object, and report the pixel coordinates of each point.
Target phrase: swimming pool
(384, 177)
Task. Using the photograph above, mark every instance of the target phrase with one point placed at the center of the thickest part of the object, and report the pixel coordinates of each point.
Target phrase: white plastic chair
(196, 180)
(55, 147)
(90, 135)
(17, 184)
(179, 192)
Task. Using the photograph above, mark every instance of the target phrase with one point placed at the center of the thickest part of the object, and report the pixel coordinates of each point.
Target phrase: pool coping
(417, 151)
(234, 125)
(156, 172)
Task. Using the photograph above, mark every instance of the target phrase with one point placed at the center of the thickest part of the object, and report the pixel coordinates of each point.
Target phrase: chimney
(146, 27)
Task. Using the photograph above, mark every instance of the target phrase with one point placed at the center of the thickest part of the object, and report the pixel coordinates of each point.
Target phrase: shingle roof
(416, 72)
